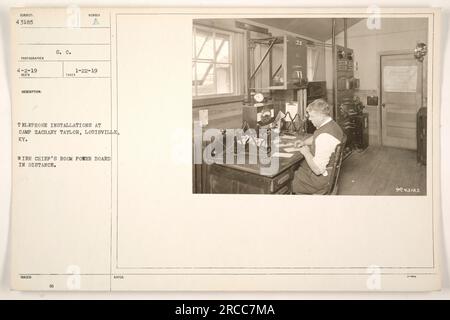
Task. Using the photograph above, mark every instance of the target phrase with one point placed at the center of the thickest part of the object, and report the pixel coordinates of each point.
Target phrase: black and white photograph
(310, 106)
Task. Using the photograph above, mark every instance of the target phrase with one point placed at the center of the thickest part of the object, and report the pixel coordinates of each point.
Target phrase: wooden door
(401, 98)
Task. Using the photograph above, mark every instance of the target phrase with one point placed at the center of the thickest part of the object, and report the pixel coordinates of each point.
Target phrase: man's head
(318, 111)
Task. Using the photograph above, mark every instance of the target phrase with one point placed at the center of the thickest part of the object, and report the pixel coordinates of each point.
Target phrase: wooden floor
(382, 171)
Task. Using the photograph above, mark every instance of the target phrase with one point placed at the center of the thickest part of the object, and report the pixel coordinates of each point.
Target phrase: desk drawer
(281, 179)
(286, 189)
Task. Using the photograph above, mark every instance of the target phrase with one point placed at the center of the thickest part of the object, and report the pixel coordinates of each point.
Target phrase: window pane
(205, 78)
(212, 62)
(223, 72)
(223, 47)
(277, 64)
(204, 46)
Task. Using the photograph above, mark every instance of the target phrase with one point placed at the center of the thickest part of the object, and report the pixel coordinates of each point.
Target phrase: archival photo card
(225, 149)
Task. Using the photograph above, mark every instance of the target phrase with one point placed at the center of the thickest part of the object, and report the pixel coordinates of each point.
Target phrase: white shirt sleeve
(325, 146)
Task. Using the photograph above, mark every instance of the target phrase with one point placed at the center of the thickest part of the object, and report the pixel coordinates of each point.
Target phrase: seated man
(312, 177)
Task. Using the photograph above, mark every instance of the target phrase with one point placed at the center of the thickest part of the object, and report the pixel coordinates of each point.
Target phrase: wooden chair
(335, 166)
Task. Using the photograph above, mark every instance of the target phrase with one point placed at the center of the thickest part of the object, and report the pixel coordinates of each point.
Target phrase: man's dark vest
(331, 128)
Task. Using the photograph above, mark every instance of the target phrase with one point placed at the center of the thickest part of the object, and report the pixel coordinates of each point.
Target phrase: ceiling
(316, 28)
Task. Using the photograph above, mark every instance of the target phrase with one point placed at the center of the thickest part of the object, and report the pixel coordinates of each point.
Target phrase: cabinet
(358, 131)
(276, 63)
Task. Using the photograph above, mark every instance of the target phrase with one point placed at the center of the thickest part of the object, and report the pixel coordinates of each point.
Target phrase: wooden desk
(248, 179)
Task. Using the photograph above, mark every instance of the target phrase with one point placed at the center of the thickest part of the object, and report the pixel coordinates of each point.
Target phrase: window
(213, 64)
(316, 63)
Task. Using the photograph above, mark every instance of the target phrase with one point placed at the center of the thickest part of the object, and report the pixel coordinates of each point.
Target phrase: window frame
(236, 76)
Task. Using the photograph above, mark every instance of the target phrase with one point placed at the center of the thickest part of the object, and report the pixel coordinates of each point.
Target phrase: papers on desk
(282, 145)
(282, 155)
(288, 137)
(291, 149)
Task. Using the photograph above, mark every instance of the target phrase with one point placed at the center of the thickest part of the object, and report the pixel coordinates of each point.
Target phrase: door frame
(380, 54)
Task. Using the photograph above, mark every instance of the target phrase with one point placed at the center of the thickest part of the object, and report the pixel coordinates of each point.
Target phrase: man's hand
(299, 144)
(304, 150)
